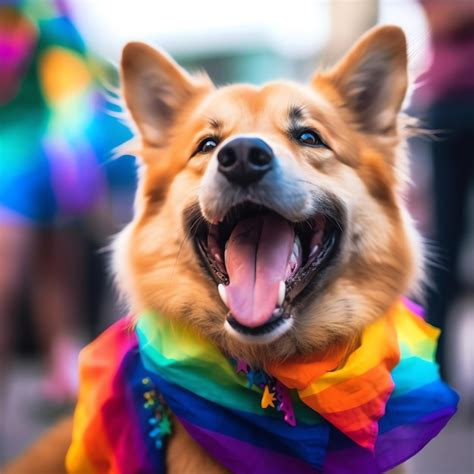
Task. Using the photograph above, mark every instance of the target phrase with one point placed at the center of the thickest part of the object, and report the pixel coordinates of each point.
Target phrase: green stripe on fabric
(182, 357)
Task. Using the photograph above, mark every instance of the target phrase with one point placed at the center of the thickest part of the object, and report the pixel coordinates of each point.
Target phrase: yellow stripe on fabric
(367, 356)
(417, 337)
(77, 457)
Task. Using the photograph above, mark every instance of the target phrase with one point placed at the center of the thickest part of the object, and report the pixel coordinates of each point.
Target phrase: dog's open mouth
(262, 262)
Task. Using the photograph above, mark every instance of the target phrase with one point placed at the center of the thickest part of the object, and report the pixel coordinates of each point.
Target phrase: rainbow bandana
(367, 414)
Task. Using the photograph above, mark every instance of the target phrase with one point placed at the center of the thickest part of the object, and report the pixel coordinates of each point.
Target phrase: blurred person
(445, 101)
(53, 136)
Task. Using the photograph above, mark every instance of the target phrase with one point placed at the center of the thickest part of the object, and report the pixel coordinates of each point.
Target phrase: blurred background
(63, 194)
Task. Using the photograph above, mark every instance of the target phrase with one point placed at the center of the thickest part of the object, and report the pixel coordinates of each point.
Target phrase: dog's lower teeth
(222, 293)
(277, 311)
(295, 259)
(314, 251)
(281, 293)
(296, 248)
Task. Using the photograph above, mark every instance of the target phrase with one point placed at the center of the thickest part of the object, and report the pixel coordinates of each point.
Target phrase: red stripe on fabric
(98, 361)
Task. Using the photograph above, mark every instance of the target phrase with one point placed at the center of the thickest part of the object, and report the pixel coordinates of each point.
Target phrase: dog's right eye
(206, 145)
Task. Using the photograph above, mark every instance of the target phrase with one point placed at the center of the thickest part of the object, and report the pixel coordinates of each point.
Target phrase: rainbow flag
(367, 412)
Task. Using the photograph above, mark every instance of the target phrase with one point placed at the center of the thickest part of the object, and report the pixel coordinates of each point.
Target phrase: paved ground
(24, 417)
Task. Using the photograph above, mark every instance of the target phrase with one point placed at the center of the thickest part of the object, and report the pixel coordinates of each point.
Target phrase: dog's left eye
(206, 145)
(310, 138)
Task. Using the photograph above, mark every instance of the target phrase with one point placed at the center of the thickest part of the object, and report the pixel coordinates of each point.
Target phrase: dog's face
(270, 218)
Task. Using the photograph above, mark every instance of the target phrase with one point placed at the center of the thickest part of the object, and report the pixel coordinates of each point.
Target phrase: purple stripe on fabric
(251, 458)
(400, 444)
(121, 422)
(414, 308)
(351, 460)
(392, 448)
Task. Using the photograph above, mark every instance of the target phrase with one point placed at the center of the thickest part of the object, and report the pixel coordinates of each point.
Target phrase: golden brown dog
(270, 219)
(337, 172)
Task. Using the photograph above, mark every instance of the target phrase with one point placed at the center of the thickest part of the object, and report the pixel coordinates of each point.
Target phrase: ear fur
(155, 88)
(372, 78)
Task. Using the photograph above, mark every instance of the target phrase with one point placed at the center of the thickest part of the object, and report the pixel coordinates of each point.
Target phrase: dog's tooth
(313, 252)
(296, 247)
(277, 312)
(222, 293)
(281, 293)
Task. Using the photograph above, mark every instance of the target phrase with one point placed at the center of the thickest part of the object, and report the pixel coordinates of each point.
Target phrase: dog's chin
(262, 350)
(290, 341)
(264, 334)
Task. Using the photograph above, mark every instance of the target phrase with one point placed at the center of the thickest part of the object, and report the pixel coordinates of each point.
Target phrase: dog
(270, 220)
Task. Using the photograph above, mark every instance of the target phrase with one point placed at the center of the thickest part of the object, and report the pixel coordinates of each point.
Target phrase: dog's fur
(355, 107)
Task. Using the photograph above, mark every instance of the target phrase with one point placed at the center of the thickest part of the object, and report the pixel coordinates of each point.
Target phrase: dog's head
(270, 218)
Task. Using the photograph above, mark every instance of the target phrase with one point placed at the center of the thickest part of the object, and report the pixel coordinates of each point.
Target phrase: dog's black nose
(245, 160)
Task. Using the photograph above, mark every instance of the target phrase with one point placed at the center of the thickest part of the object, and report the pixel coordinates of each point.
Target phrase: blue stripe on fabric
(417, 404)
(413, 373)
(305, 442)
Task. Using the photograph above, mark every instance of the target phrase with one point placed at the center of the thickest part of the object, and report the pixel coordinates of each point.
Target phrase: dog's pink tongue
(256, 259)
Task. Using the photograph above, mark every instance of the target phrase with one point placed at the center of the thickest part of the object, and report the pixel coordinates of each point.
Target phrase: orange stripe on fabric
(379, 346)
(300, 374)
(352, 393)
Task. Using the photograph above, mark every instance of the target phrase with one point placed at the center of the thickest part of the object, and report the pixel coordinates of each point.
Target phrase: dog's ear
(372, 78)
(155, 89)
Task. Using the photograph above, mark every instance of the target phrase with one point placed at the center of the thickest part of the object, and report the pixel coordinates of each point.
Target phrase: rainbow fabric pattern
(367, 416)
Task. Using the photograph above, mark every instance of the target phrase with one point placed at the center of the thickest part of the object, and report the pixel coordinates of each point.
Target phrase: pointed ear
(372, 78)
(155, 88)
